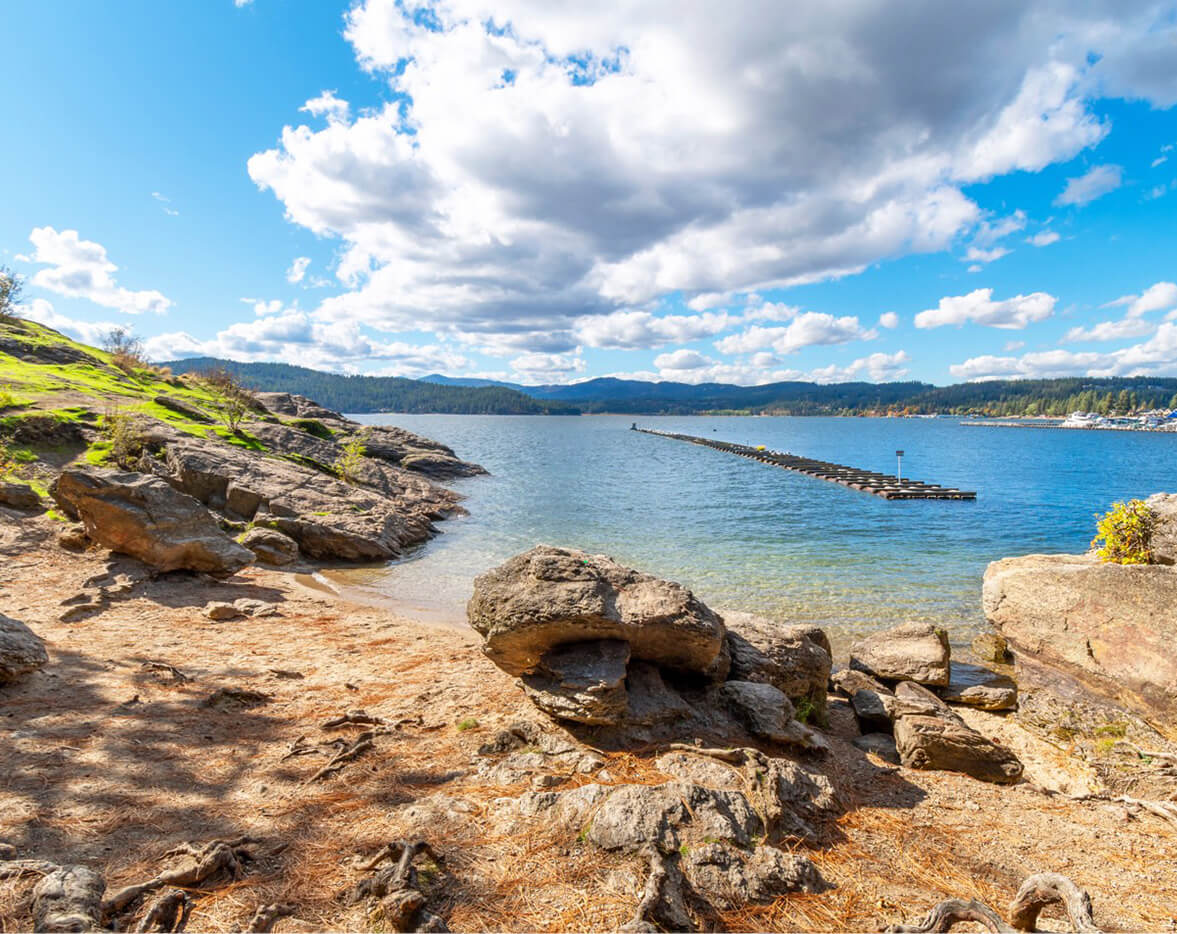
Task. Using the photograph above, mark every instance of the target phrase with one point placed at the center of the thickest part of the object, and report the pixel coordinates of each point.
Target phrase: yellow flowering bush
(1124, 533)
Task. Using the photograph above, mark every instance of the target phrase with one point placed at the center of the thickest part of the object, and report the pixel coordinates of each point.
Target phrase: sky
(546, 192)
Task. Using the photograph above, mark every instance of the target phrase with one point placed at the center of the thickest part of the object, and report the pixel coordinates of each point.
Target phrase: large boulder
(929, 735)
(21, 651)
(1164, 536)
(144, 517)
(908, 652)
(550, 596)
(794, 659)
(583, 682)
(1110, 627)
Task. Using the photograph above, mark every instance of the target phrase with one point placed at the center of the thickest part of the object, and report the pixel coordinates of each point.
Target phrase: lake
(747, 536)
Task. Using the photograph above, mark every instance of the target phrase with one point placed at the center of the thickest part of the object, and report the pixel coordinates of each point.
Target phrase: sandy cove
(111, 758)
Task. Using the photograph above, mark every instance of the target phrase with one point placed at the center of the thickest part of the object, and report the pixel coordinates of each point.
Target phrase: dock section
(867, 481)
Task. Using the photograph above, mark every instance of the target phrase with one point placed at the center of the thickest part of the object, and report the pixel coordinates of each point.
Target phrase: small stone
(271, 546)
(909, 652)
(74, 539)
(21, 650)
(256, 608)
(219, 611)
(879, 744)
(18, 495)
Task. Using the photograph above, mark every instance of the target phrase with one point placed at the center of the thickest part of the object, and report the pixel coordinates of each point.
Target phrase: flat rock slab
(909, 652)
(551, 596)
(974, 686)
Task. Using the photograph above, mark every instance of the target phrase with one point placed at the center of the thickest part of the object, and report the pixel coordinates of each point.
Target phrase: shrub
(126, 439)
(1125, 533)
(234, 401)
(11, 287)
(347, 464)
(314, 427)
(126, 350)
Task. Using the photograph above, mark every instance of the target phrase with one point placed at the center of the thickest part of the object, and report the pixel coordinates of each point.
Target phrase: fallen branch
(1162, 809)
(951, 912)
(356, 717)
(1049, 888)
(169, 912)
(733, 756)
(267, 916)
(362, 744)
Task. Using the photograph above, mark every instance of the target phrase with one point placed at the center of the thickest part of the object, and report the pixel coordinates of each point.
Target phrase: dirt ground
(109, 760)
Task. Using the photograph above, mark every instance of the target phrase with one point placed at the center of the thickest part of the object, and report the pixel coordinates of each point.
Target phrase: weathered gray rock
(651, 700)
(768, 713)
(666, 816)
(936, 738)
(582, 681)
(1164, 536)
(729, 878)
(271, 546)
(21, 651)
(1110, 627)
(908, 652)
(18, 495)
(290, 405)
(220, 612)
(795, 659)
(878, 744)
(549, 596)
(974, 686)
(867, 698)
(990, 647)
(69, 899)
(144, 517)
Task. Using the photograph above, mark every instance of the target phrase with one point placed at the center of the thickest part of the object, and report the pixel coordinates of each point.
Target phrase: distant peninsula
(455, 395)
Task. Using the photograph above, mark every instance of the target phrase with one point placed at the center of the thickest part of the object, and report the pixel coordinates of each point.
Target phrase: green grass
(468, 724)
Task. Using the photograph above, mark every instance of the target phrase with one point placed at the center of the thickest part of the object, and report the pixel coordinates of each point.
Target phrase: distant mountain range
(459, 395)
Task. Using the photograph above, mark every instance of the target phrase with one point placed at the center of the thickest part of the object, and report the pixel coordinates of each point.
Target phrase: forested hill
(1057, 397)
(377, 393)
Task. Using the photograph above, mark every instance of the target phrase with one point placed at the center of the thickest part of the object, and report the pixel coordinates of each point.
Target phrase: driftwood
(951, 912)
(267, 916)
(397, 887)
(168, 912)
(1035, 894)
(201, 863)
(1049, 888)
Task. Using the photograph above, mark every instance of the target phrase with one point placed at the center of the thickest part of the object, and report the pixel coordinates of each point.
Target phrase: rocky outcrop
(929, 735)
(18, 495)
(1109, 627)
(909, 652)
(21, 651)
(1164, 536)
(144, 517)
(794, 659)
(271, 546)
(583, 682)
(551, 596)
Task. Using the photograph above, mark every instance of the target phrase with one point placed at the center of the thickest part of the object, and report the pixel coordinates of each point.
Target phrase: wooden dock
(867, 481)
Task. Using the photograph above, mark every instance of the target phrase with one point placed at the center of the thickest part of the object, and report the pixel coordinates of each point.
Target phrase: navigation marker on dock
(868, 481)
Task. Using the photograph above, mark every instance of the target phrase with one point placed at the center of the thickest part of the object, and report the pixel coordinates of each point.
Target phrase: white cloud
(1011, 346)
(989, 232)
(1094, 184)
(544, 163)
(298, 269)
(164, 201)
(1156, 297)
(978, 306)
(682, 360)
(976, 267)
(877, 368)
(889, 320)
(327, 105)
(80, 269)
(809, 329)
(1158, 161)
(547, 367)
(977, 255)
(1155, 357)
(88, 332)
(1111, 331)
(241, 3)
(688, 366)
(1043, 238)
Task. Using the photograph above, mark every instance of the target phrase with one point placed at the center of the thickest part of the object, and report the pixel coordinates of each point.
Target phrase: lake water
(747, 536)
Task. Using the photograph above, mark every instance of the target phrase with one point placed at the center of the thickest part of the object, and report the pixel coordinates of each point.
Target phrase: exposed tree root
(201, 864)
(1147, 753)
(1165, 810)
(362, 744)
(356, 717)
(168, 912)
(267, 916)
(662, 906)
(1035, 894)
(734, 756)
(177, 675)
(397, 888)
(1049, 888)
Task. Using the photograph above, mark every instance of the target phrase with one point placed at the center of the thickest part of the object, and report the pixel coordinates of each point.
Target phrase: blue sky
(938, 192)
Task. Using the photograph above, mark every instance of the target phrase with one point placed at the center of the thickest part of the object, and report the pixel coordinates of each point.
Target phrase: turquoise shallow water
(747, 536)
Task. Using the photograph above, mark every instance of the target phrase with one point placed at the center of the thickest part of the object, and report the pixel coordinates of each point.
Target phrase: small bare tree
(11, 287)
(234, 401)
(125, 349)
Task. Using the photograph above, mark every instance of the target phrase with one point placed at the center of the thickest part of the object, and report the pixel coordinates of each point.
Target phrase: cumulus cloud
(88, 332)
(298, 269)
(1110, 331)
(978, 307)
(81, 269)
(689, 366)
(1157, 297)
(877, 368)
(543, 163)
(810, 329)
(1043, 238)
(1094, 184)
(1155, 357)
(889, 320)
(547, 367)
